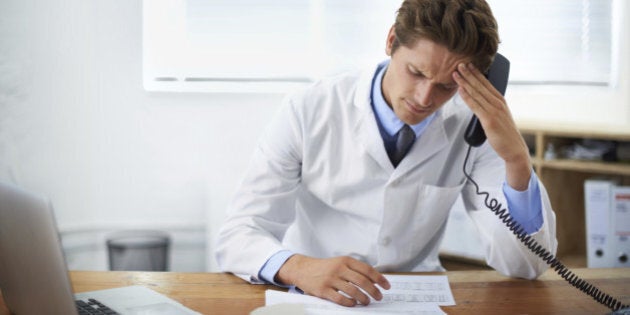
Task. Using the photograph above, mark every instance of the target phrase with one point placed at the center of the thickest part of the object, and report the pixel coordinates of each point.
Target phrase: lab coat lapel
(367, 132)
(366, 129)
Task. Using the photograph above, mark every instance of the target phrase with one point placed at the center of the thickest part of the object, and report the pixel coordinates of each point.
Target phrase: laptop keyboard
(92, 306)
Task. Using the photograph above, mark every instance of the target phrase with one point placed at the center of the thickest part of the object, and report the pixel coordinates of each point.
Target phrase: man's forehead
(435, 60)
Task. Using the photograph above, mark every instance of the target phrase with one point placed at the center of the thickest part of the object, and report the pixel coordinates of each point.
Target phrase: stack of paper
(408, 295)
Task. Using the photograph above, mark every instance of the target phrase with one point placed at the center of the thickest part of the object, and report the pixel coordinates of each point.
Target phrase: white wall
(76, 125)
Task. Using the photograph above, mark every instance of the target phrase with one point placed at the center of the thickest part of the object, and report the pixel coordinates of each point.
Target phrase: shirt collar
(388, 119)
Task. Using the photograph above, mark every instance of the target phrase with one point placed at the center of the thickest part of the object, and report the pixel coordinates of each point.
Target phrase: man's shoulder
(330, 91)
(336, 84)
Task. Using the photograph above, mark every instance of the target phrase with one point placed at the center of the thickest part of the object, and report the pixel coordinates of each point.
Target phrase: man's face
(419, 79)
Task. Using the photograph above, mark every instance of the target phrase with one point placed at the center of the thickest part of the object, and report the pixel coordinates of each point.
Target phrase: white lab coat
(320, 184)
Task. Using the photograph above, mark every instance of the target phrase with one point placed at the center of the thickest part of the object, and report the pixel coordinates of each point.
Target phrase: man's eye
(417, 74)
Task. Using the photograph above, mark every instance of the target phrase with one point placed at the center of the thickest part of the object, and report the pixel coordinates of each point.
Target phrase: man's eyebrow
(442, 84)
(448, 85)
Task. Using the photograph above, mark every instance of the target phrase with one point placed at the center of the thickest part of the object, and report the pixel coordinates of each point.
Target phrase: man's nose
(423, 94)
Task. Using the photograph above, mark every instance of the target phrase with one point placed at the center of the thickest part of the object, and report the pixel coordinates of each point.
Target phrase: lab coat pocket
(417, 219)
(429, 217)
(433, 205)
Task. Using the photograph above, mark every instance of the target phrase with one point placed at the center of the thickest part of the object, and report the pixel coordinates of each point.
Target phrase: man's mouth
(415, 108)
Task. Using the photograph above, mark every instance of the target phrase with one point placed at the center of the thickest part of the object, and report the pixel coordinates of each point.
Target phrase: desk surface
(475, 292)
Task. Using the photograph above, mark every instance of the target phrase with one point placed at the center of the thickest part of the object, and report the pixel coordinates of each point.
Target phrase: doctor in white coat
(324, 206)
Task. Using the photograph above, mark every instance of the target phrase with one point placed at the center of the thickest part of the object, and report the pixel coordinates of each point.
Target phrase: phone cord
(495, 206)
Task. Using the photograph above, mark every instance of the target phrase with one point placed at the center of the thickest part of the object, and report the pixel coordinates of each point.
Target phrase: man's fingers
(343, 280)
(335, 296)
(481, 80)
(372, 274)
(471, 101)
(353, 292)
(470, 85)
(364, 284)
(480, 92)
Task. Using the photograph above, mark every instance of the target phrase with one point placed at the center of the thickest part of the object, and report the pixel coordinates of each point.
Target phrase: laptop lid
(33, 273)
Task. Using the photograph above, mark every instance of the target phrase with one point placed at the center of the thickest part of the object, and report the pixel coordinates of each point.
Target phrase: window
(259, 45)
(274, 45)
(565, 42)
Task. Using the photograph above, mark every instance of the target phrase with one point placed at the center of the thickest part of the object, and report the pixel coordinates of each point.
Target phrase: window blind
(563, 42)
(271, 45)
(259, 45)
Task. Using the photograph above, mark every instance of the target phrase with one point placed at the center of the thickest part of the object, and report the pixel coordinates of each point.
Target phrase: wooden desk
(475, 292)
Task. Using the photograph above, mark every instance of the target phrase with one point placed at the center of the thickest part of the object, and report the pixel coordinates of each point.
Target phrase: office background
(77, 126)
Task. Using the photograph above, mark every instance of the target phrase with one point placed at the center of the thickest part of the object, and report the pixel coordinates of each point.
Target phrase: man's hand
(495, 117)
(324, 278)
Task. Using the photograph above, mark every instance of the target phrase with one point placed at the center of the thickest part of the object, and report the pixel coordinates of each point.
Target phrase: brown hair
(465, 27)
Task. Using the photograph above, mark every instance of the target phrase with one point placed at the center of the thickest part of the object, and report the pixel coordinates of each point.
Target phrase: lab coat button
(385, 241)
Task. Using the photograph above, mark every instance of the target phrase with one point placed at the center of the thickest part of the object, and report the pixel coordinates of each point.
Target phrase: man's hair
(465, 27)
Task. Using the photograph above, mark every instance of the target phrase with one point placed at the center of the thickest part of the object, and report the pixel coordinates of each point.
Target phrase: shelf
(573, 261)
(585, 166)
(603, 132)
(563, 181)
(564, 178)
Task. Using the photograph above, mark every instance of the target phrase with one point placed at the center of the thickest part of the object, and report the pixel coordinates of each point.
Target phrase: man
(326, 205)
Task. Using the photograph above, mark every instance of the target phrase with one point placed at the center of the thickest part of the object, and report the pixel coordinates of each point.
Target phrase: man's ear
(391, 37)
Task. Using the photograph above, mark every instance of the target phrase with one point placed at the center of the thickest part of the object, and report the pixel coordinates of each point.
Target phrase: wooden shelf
(564, 178)
(603, 132)
(585, 166)
(574, 261)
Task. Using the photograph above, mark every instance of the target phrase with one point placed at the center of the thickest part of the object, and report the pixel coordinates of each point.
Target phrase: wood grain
(475, 292)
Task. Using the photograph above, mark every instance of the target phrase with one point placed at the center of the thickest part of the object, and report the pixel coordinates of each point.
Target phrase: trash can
(138, 250)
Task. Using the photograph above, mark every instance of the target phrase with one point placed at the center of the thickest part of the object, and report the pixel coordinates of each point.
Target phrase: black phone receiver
(497, 75)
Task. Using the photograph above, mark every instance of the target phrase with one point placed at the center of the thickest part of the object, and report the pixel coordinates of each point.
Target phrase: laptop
(33, 273)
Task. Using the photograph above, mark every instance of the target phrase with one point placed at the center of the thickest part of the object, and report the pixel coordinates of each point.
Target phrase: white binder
(598, 203)
(621, 226)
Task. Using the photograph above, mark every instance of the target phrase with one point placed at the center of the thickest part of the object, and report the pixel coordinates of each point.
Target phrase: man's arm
(504, 251)
(525, 206)
(264, 208)
(495, 117)
(521, 187)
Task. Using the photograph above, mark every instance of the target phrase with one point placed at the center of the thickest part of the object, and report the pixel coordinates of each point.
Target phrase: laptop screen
(33, 273)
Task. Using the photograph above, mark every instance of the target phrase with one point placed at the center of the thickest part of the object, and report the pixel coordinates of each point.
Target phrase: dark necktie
(406, 137)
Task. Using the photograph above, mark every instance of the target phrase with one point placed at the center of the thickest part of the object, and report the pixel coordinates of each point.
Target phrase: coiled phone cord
(497, 208)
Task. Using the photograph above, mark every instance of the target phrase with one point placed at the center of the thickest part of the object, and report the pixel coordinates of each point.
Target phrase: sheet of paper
(418, 289)
(408, 295)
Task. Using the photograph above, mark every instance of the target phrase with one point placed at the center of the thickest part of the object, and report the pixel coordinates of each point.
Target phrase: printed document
(408, 295)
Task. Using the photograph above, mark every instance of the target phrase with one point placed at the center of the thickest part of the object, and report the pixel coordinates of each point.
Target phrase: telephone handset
(475, 136)
(497, 75)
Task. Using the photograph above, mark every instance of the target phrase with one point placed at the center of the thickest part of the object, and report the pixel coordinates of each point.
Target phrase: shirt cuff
(525, 206)
(272, 266)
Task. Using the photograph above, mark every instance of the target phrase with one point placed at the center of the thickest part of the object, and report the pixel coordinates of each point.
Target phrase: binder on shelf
(621, 226)
(598, 202)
